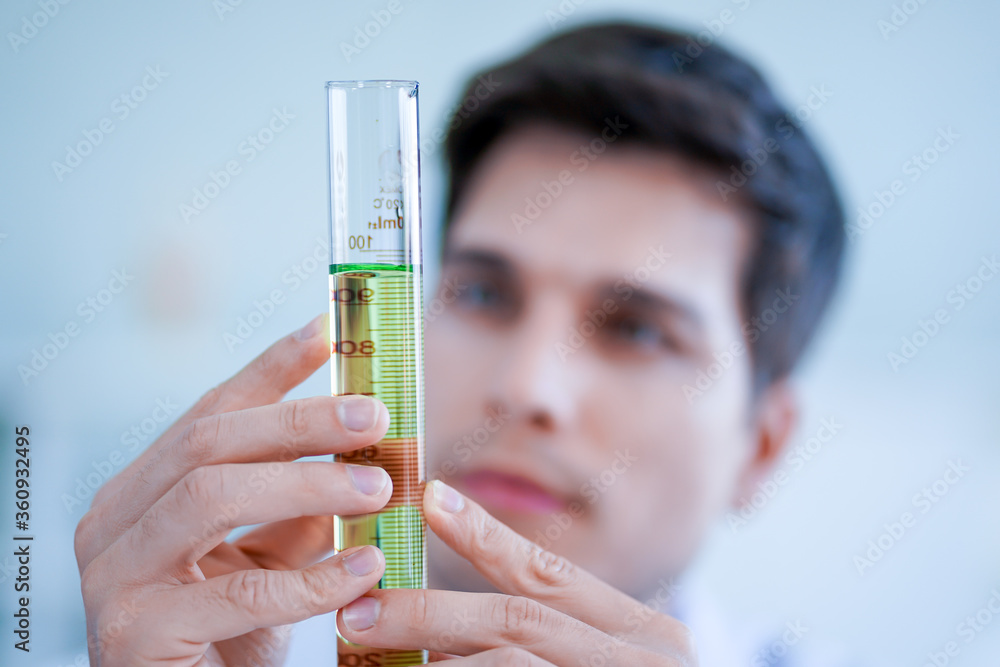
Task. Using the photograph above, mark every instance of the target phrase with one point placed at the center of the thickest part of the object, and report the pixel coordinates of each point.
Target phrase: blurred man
(640, 241)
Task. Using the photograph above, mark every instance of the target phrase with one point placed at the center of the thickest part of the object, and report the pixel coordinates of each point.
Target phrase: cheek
(720, 423)
(681, 468)
(457, 363)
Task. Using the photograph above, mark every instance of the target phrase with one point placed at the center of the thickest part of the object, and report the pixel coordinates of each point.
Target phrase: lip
(501, 490)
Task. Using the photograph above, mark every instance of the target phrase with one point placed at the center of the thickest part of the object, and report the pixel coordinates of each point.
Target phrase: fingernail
(369, 480)
(361, 614)
(311, 329)
(357, 413)
(447, 498)
(362, 562)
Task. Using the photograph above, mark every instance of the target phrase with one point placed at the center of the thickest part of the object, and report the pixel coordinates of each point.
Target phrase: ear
(775, 417)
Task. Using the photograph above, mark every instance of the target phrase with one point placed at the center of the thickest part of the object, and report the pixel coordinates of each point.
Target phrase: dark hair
(703, 103)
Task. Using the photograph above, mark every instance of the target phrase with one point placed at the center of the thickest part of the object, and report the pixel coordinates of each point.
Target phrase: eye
(635, 331)
(481, 294)
(638, 334)
(484, 295)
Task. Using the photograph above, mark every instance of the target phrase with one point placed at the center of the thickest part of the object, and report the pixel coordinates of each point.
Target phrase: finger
(437, 656)
(467, 623)
(289, 544)
(518, 566)
(501, 657)
(237, 603)
(200, 510)
(266, 379)
(283, 431)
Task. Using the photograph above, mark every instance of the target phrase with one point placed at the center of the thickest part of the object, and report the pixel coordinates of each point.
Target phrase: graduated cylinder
(376, 345)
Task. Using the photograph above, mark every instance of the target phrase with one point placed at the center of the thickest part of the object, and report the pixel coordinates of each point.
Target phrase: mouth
(503, 491)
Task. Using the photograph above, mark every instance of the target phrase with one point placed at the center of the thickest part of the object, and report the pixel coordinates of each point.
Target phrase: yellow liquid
(376, 350)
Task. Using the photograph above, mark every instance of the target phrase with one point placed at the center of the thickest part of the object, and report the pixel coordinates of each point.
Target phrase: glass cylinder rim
(372, 83)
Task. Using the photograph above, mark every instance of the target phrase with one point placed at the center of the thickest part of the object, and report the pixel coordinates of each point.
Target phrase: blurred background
(120, 306)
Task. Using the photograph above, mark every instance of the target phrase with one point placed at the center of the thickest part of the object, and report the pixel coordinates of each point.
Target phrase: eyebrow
(491, 259)
(657, 303)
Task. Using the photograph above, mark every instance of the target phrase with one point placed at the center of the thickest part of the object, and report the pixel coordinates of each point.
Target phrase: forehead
(552, 205)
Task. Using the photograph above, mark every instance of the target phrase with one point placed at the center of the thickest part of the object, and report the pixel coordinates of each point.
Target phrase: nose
(531, 380)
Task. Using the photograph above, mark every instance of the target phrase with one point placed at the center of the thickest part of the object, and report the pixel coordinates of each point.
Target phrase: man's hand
(160, 584)
(550, 612)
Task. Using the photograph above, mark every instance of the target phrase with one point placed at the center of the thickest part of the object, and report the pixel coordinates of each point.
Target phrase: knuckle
(148, 525)
(198, 440)
(102, 493)
(546, 568)
(114, 624)
(486, 537)
(312, 479)
(210, 401)
(91, 585)
(199, 488)
(269, 366)
(421, 612)
(520, 619)
(254, 591)
(315, 589)
(294, 418)
(82, 537)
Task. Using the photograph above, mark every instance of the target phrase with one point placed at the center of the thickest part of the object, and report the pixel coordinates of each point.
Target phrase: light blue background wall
(162, 336)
